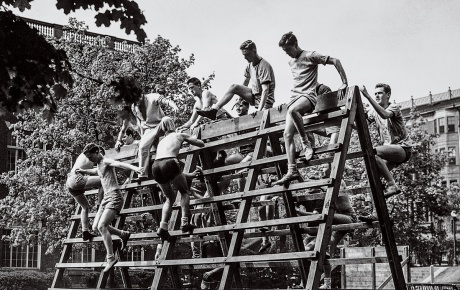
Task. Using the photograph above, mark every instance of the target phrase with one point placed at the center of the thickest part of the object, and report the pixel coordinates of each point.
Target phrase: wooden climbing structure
(266, 126)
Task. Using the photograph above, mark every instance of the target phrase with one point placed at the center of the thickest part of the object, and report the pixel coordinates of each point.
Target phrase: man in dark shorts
(259, 75)
(394, 146)
(167, 172)
(112, 201)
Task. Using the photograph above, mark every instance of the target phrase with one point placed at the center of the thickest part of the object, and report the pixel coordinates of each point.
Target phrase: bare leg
(106, 219)
(83, 202)
(240, 90)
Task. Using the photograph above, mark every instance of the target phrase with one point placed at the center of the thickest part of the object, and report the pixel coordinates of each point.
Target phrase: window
(15, 153)
(451, 124)
(83, 254)
(442, 151)
(435, 126)
(22, 256)
(451, 155)
(136, 253)
(441, 122)
(452, 181)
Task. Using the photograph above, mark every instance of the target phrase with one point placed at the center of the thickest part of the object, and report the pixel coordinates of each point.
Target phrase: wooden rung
(216, 260)
(352, 261)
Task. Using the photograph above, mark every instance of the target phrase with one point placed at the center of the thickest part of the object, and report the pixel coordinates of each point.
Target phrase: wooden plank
(215, 260)
(379, 200)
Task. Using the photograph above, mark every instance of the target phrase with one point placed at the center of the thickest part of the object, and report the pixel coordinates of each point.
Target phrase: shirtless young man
(113, 199)
(204, 99)
(167, 172)
(77, 183)
(258, 88)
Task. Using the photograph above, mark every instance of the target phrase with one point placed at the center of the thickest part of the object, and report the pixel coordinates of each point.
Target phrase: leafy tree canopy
(33, 73)
(87, 113)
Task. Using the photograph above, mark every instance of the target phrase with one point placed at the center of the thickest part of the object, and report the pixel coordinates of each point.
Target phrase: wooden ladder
(264, 126)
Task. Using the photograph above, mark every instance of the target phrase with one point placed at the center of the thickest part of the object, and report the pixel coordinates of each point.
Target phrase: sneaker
(124, 240)
(368, 218)
(163, 234)
(308, 152)
(288, 177)
(392, 191)
(265, 247)
(110, 264)
(187, 228)
(209, 113)
(87, 236)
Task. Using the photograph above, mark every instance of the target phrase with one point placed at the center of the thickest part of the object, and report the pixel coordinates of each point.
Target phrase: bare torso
(82, 163)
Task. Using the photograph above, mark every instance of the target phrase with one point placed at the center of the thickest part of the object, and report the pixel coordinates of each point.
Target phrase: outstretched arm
(338, 66)
(193, 140)
(120, 142)
(194, 119)
(123, 165)
(379, 109)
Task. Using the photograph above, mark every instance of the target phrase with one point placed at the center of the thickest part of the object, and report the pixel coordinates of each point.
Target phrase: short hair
(91, 148)
(194, 81)
(386, 88)
(248, 44)
(288, 39)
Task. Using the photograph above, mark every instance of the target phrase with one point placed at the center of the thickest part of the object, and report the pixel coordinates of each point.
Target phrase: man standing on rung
(304, 67)
(259, 74)
(166, 170)
(394, 146)
(113, 199)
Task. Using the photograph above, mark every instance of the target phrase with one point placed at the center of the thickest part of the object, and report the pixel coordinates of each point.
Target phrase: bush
(27, 280)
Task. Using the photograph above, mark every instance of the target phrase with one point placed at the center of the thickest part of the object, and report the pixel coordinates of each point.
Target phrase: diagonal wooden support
(337, 168)
(119, 223)
(379, 199)
(290, 212)
(168, 246)
(245, 206)
(67, 250)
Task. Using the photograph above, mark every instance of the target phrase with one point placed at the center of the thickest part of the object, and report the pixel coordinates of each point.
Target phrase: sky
(414, 46)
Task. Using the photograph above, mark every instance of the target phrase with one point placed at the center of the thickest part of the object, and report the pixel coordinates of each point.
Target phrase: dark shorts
(408, 151)
(166, 169)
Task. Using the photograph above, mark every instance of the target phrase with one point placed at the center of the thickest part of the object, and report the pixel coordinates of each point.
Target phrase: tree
(33, 73)
(422, 196)
(87, 113)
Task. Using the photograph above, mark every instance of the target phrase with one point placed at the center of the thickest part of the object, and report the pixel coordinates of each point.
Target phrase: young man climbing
(304, 67)
(259, 74)
(167, 172)
(77, 183)
(204, 99)
(394, 146)
(150, 119)
(113, 199)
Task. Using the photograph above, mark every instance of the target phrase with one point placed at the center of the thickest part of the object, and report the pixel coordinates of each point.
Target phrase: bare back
(170, 145)
(82, 162)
